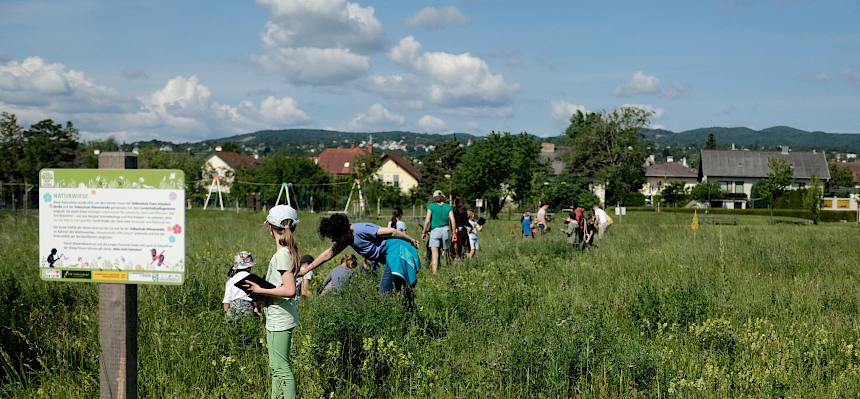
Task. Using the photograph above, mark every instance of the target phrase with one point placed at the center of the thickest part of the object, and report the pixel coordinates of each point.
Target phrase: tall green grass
(654, 310)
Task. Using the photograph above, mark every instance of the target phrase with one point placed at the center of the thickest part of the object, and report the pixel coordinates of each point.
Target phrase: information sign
(122, 226)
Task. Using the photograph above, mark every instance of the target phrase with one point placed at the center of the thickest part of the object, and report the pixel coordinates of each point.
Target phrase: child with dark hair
(340, 275)
(385, 245)
(396, 221)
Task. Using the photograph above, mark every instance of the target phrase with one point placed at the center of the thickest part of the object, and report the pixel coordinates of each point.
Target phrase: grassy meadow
(656, 310)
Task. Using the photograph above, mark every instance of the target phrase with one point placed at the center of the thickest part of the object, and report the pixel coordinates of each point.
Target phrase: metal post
(118, 318)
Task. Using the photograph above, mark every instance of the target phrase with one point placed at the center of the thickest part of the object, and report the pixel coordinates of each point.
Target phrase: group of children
(582, 226)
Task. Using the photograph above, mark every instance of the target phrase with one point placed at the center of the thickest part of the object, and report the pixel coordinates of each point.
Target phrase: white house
(224, 164)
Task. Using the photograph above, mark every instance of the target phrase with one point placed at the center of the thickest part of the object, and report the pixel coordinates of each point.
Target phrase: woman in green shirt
(280, 307)
(438, 225)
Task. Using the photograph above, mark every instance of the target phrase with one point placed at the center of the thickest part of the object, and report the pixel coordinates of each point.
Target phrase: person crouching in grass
(280, 310)
(238, 303)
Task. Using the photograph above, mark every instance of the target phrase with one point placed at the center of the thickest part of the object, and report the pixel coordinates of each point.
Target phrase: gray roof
(555, 159)
(723, 163)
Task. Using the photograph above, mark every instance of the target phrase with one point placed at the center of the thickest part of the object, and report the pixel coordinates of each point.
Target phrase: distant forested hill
(769, 138)
(312, 140)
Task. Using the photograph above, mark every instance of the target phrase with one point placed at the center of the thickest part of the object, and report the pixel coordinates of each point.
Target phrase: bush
(635, 199)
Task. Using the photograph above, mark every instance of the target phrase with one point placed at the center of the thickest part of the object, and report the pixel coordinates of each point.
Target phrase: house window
(801, 185)
(395, 180)
(724, 186)
(346, 164)
(739, 187)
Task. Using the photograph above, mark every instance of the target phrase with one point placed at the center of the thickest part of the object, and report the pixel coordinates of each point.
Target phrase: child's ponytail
(287, 240)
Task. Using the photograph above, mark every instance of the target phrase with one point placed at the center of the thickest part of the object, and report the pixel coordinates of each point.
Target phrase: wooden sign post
(118, 318)
(117, 226)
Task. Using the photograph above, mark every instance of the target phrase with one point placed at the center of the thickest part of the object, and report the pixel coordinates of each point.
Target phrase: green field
(752, 310)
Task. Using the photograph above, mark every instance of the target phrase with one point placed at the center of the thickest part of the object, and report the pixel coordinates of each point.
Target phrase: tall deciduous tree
(840, 176)
(440, 161)
(778, 179)
(674, 194)
(812, 199)
(498, 166)
(151, 158)
(48, 145)
(309, 179)
(608, 147)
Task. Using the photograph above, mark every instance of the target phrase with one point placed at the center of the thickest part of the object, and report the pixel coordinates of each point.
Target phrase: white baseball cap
(279, 213)
(438, 193)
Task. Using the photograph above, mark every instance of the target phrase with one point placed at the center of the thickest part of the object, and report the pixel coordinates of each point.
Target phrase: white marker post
(118, 227)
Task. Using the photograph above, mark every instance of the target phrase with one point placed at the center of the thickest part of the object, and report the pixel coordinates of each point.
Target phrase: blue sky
(192, 70)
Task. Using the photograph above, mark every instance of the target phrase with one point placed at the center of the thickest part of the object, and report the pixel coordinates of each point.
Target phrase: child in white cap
(236, 302)
(280, 306)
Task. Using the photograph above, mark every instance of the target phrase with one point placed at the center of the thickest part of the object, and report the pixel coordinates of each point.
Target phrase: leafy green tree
(309, 180)
(12, 150)
(840, 176)
(440, 161)
(498, 166)
(706, 191)
(812, 199)
(711, 143)
(777, 181)
(674, 194)
(563, 190)
(151, 158)
(231, 146)
(48, 145)
(609, 148)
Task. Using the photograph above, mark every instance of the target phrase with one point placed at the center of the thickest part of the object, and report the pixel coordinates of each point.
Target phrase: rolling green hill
(769, 138)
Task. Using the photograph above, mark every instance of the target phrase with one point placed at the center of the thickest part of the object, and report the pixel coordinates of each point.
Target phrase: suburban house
(224, 164)
(659, 175)
(854, 167)
(340, 161)
(737, 171)
(553, 156)
(398, 172)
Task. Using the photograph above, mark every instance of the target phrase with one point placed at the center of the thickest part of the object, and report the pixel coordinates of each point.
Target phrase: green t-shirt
(439, 214)
(280, 313)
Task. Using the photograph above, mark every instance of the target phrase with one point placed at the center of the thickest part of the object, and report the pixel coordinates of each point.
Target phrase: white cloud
(656, 112)
(563, 110)
(437, 18)
(823, 77)
(376, 117)
(315, 66)
(432, 124)
(675, 89)
(183, 109)
(319, 42)
(401, 87)
(55, 88)
(460, 82)
(640, 83)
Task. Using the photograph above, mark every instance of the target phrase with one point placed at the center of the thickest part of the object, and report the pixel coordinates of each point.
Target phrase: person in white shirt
(602, 220)
(474, 227)
(236, 302)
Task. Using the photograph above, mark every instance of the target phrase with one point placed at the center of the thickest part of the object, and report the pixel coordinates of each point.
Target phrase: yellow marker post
(695, 224)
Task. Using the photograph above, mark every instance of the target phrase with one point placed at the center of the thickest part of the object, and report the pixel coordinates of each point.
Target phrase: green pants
(283, 381)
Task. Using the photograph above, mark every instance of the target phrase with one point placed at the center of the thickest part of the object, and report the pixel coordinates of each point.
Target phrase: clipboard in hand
(256, 280)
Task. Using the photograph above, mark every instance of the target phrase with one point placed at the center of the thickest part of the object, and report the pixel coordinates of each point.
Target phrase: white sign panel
(112, 226)
(620, 211)
(479, 203)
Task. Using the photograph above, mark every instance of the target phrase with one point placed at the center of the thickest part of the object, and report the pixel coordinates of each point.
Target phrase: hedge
(826, 216)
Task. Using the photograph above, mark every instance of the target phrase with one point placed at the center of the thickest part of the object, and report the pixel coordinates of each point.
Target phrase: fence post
(118, 318)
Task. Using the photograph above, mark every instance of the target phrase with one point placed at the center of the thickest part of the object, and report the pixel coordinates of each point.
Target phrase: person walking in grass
(280, 309)
(542, 226)
(527, 224)
(475, 227)
(397, 250)
(438, 224)
(460, 237)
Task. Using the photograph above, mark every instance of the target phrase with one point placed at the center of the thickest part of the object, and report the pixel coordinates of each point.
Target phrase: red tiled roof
(334, 160)
(670, 169)
(406, 165)
(236, 160)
